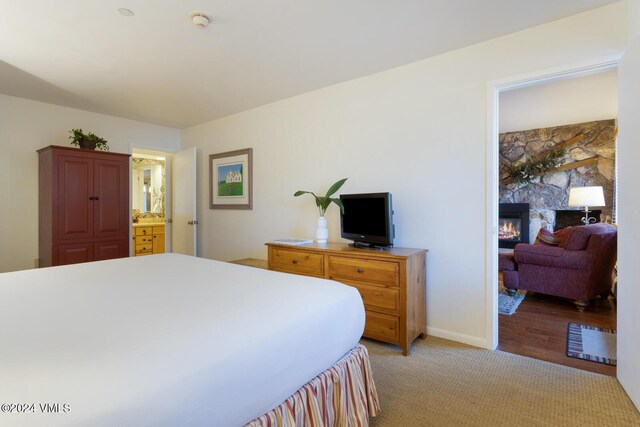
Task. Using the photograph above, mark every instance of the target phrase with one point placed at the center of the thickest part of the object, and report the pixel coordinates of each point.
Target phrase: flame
(507, 231)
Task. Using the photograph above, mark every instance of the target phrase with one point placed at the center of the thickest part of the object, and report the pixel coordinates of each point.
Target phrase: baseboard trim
(454, 336)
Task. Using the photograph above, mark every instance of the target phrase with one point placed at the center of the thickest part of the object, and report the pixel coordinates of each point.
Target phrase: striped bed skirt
(343, 395)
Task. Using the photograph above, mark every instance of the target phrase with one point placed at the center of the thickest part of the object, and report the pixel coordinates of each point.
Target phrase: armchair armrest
(536, 254)
(552, 256)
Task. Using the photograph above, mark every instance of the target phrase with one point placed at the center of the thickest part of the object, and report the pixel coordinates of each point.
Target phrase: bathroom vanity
(148, 238)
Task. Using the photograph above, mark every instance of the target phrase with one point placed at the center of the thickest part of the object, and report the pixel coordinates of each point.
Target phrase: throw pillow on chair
(549, 238)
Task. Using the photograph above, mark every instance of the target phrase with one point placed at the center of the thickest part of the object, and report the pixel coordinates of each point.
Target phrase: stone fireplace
(513, 224)
(548, 195)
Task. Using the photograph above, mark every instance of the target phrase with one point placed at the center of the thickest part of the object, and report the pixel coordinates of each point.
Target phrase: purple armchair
(579, 268)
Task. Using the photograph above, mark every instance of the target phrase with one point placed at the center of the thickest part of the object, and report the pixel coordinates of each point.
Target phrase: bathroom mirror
(148, 182)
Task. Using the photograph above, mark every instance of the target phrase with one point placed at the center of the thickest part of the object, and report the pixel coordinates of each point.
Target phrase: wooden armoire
(83, 205)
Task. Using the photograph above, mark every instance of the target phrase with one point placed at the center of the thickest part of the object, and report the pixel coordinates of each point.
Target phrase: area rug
(507, 304)
(592, 343)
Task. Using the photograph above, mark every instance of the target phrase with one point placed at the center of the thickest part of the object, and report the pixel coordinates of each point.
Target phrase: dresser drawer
(143, 239)
(382, 327)
(378, 298)
(386, 273)
(297, 261)
(144, 231)
(144, 248)
(159, 229)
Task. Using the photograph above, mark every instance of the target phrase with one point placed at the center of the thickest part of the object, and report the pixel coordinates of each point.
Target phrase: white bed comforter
(164, 340)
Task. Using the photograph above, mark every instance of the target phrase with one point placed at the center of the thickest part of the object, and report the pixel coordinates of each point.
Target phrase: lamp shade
(586, 196)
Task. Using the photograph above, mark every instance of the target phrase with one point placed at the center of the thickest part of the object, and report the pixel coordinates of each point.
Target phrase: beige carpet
(443, 383)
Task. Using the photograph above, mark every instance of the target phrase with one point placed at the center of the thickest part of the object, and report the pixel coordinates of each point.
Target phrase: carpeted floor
(443, 383)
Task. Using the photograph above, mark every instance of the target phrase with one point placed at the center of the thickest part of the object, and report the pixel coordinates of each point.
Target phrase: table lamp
(586, 196)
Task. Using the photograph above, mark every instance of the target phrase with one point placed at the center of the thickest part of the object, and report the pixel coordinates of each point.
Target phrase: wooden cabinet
(391, 282)
(83, 205)
(158, 239)
(148, 239)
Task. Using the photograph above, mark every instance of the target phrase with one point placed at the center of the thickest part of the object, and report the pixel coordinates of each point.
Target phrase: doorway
(530, 331)
(151, 219)
(164, 193)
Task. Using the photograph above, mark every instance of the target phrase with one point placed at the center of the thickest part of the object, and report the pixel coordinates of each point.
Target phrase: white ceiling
(157, 67)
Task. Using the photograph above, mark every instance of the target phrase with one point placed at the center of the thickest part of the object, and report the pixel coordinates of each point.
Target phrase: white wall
(629, 222)
(418, 131)
(26, 126)
(564, 102)
(634, 19)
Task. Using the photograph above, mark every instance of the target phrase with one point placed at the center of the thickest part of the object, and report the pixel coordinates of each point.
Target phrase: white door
(184, 222)
(629, 221)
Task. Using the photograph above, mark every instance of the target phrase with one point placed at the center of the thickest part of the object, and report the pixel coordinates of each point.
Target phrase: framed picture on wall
(230, 180)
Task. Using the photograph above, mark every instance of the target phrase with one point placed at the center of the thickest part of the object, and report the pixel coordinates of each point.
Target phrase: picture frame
(231, 180)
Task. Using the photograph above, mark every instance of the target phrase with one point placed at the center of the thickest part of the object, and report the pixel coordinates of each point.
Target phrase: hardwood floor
(538, 329)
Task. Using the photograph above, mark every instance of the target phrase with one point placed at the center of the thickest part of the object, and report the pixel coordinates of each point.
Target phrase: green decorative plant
(323, 202)
(524, 172)
(88, 141)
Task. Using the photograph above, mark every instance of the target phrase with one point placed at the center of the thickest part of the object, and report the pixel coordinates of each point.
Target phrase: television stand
(392, 283)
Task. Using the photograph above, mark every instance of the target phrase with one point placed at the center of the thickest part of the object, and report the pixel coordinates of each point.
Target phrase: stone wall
(549, 192)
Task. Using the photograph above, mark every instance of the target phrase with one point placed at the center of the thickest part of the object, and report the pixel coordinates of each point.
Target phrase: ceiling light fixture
(125, 12)
(200, 20)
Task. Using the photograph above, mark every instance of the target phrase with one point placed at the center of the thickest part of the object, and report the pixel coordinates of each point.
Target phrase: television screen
(363, 216)
(367, 218)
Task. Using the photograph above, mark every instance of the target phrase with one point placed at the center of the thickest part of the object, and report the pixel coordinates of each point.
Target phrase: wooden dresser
(392, 283)
(148, 239)
(83, 205)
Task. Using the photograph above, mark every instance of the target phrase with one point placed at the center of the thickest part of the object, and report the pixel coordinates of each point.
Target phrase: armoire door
(111, 198)
(75, 206)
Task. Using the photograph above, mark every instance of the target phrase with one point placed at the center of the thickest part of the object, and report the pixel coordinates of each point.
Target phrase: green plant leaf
(339, 203)
(335, 187)
(323, 202)
(78, 135)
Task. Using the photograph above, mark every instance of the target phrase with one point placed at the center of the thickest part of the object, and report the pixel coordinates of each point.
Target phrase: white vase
(322, 232)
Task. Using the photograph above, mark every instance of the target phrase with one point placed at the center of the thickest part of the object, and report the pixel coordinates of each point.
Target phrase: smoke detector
(200, 20)
(125, 12)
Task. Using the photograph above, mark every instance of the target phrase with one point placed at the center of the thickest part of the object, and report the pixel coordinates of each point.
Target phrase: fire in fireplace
(513, 224)
(510, 229)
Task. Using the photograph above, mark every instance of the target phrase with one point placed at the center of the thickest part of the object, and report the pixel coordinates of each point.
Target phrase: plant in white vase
(323, 202)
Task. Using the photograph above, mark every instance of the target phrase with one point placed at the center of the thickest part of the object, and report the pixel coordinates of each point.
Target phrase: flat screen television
(367, 219)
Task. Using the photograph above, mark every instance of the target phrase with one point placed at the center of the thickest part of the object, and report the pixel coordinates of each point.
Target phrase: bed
(168, 340)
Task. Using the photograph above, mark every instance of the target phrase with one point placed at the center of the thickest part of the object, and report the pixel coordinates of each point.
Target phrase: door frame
(168, 195)
(494, 88)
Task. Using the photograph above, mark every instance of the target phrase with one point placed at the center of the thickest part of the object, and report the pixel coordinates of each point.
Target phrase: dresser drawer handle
(360, 270)
(295, 261)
